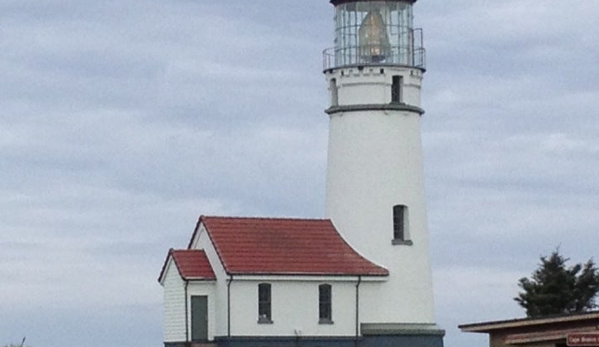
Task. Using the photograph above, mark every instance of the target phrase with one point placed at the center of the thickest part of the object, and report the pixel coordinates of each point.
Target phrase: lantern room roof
(339, 2)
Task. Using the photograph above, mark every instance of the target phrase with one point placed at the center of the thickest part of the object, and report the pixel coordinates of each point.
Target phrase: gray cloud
(122, 121)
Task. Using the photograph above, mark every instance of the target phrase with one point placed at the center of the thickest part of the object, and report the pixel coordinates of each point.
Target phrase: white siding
(219, 314)
(174, 304)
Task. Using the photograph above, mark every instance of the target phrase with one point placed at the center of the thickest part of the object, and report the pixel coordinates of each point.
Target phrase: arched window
(325, 304)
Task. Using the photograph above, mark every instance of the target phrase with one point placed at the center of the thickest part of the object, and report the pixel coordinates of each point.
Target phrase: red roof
(274, 246)
(192, 265)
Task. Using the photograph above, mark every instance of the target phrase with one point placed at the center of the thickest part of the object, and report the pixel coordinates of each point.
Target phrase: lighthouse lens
(373, 43)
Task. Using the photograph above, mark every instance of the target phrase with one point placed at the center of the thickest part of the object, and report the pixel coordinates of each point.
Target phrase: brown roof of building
(191, 264)
(522, 322)
(281, 246)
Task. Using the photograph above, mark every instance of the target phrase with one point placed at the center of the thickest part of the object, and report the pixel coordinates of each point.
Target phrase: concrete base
(402, 341)
(190, 344)
(401, 334)
(374, 335)
(285, 341)
(389, 337)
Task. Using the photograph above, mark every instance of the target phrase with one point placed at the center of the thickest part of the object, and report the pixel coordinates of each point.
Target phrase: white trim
(305, 278)
(169, 261)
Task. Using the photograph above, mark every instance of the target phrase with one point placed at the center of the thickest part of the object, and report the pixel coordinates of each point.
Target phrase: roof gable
(191, 264)
(279, 246)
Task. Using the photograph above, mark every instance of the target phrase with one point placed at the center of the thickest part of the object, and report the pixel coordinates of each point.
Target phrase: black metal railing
(412, 54)
(333, 58)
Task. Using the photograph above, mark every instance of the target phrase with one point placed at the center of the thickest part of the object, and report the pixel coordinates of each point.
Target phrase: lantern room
(375, 33)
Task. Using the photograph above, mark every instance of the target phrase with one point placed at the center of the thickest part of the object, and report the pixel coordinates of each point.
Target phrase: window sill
(402, 242)
(325, 321)
(264, 321)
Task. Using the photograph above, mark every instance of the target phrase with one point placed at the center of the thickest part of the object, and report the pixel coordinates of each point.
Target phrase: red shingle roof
(192, 265)
(272, 246)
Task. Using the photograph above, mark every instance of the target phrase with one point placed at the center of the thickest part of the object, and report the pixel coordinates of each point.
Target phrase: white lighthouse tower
(375, 187)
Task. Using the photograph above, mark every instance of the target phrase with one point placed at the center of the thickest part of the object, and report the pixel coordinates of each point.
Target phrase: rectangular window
(264, 303)
(396, 89)
(400, 225)
(325, 304)
(334, 92)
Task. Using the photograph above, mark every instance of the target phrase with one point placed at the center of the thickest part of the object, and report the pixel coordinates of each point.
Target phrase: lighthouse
(359, 277)
(375, 183)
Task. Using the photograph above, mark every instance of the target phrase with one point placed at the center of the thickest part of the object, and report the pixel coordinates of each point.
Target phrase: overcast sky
(121, 121)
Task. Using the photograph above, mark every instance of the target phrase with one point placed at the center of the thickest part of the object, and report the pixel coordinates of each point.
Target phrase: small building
(260, 279)
(574, 330)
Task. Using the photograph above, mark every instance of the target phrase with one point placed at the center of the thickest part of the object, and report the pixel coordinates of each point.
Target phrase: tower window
(334, 94)
(396, 85)
(264, 303)
(325, 304)
(400, 225)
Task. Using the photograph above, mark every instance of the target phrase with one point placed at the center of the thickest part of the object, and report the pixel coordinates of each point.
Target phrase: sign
(583, 339)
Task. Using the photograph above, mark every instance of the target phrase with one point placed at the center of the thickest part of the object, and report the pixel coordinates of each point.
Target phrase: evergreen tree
(555, 288)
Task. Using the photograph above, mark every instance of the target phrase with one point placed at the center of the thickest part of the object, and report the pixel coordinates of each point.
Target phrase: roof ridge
(187, 250)
(266, 218)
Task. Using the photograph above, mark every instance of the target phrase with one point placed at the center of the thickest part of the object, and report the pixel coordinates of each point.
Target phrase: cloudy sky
(121, 121)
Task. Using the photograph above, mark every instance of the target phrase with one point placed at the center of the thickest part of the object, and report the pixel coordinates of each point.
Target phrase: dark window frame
(265, 303)
(325, 304)
(400, 225)
(396, 86)
(334, 92)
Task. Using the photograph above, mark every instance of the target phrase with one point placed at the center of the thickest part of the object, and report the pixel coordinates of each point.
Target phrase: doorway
(199, 318)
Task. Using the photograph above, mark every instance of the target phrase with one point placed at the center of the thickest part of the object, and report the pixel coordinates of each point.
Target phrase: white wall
(219, 316)
(294, 306)
(174, 304)
(370, 86)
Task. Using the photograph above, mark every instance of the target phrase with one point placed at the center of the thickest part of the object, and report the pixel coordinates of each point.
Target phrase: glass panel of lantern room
(373, 32)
